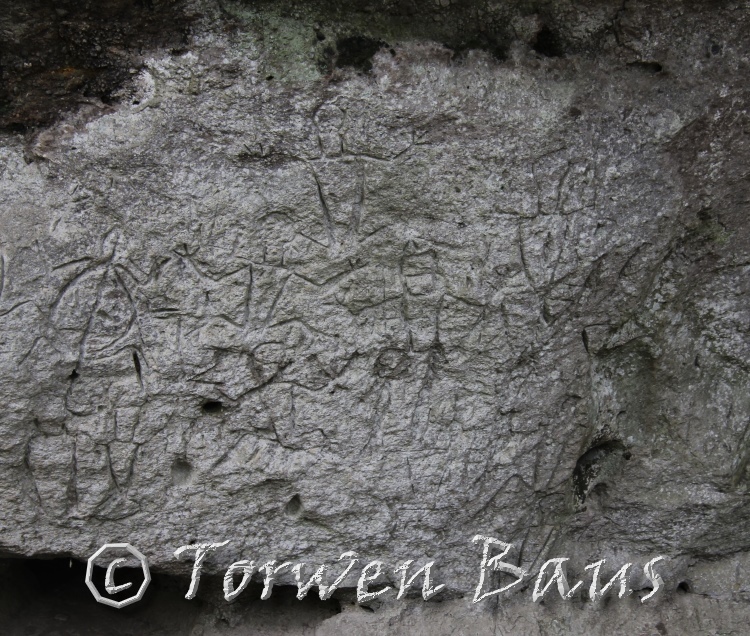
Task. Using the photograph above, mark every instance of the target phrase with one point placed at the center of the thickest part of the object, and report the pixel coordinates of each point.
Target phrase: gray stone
(314, 281)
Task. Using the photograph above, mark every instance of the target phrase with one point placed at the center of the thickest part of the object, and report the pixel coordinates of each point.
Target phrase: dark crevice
(589, 465)
(548, 43)
(647, 67)
(600, 490)
(357, 52)
(137, 365)
(212, 407)
(17, 127)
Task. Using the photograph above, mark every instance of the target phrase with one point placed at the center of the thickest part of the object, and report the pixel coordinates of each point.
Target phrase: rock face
(317, 277)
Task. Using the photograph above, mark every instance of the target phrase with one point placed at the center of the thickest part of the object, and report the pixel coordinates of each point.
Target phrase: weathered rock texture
(317, 277)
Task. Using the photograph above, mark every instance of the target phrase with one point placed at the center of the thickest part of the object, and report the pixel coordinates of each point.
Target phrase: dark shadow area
(653, 68)
(361, 27)
(548, 43)
(49, 596)
(57, 54)
(357, 52)
(588, 467)
(42, 597)
(212, 407)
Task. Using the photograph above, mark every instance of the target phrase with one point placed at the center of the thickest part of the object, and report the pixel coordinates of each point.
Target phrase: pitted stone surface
(313, 309)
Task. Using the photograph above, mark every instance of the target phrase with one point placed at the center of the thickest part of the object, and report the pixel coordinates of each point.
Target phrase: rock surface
(316, 277)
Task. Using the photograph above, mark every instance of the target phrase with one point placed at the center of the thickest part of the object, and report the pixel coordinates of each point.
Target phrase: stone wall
(381, 276)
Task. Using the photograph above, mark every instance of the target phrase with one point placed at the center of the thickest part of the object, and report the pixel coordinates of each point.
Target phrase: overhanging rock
(319, 277)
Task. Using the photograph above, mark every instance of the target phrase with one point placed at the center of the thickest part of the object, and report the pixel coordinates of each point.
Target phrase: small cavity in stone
(294, 506)
(357, 52)
(212, 407)
(548, 43)
(182, 471)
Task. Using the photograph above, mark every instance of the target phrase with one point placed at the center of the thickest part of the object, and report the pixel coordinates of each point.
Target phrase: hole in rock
(294, 506)
(73, 374)
(648, 67)
(600, 490)
(704, 214)
(212, 407)
(548, 43)
(683, 587)
(182, 471)
(357, 52)
(589, 465)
